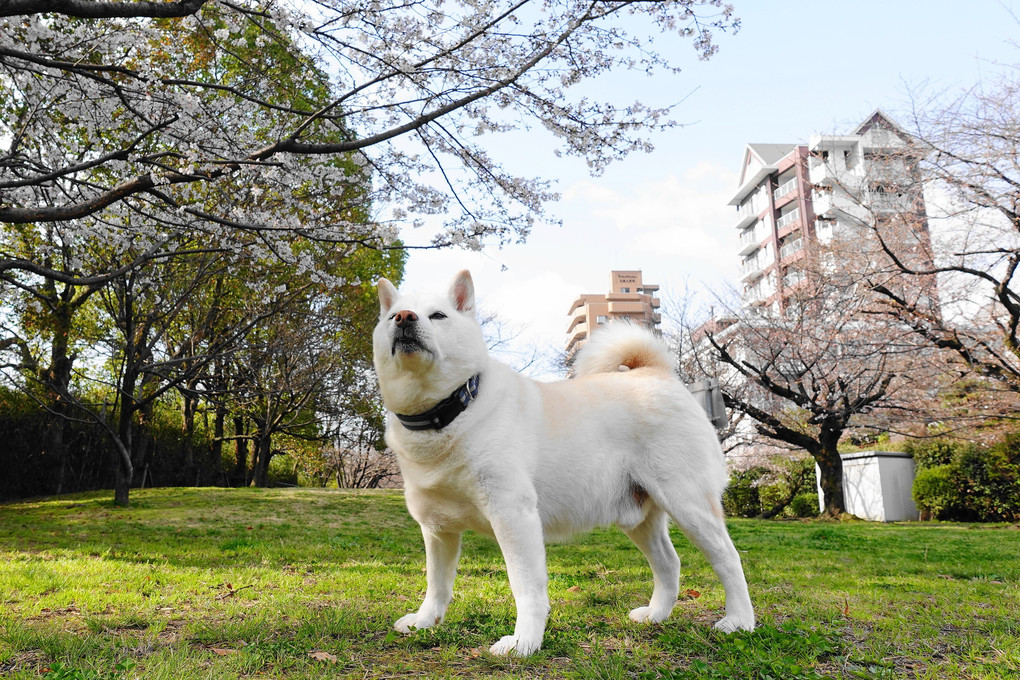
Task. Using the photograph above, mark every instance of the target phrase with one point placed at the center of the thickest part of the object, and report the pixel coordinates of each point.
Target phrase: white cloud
(674, 224)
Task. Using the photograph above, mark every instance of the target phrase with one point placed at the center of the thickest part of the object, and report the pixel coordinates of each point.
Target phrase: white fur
(529, 461)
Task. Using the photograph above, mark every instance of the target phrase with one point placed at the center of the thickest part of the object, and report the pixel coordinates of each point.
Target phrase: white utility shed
(877, 485)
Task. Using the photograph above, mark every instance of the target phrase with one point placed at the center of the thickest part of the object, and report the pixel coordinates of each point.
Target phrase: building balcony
(751, 239)
(819, 172)
(822, 204)
(785, 189)
(746, 215)
(793, 278)
(579, 335)
(626, 307)
(751, 270)
(760, 291)
(788, 219)
(791, 248)
(749, 247)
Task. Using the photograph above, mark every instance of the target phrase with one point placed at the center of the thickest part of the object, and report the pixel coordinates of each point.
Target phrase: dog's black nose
(405, 318)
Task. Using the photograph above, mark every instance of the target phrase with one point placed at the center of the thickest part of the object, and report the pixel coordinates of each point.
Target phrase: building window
(624, 290)
(601, 319)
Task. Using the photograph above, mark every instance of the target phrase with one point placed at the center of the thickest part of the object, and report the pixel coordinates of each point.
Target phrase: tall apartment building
(794, 195)
(629, 297)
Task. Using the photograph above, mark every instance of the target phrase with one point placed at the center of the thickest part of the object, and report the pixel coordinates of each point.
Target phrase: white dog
(484, 448)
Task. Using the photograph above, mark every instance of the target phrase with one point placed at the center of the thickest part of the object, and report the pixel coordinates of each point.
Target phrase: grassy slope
(215, 583)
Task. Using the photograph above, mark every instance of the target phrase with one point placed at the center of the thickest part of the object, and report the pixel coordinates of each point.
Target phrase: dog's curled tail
(621, 346)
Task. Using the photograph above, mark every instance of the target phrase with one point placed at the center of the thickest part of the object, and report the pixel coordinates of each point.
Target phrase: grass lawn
(232, 583)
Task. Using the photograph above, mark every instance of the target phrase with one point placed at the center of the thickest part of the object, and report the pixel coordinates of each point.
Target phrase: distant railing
(790, 248)
(785, 188)
(793, 278)
(749, 236)
(788, 218)
(752, 265)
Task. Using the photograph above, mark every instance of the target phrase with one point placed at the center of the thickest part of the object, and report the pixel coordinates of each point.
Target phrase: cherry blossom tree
(141, 136)
(823, 363)
(127, 122)
(967, 149)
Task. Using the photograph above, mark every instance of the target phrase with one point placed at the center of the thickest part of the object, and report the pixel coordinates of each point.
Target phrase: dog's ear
(462, 292)
(387, 295)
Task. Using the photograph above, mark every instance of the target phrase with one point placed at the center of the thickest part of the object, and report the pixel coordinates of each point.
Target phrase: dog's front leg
(519, 534)
(442, 550)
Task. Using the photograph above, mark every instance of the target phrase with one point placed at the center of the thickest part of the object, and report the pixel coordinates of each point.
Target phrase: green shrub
(928, 453)
(965, 482)
(992, 476)
(771, 491)
(742, 497)
(937, 490)
(805, 504)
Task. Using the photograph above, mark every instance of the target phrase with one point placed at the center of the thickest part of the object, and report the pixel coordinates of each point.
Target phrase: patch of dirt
(32, 660)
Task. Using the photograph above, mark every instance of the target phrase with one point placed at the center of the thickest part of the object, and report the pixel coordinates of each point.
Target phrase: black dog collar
(446, 411)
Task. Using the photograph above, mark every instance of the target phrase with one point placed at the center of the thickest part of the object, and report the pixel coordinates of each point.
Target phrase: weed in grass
(58, 671)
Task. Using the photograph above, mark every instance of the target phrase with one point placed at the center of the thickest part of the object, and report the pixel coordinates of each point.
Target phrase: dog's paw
(413, 622)
(647, 615)
(510, 644)
(731, 624)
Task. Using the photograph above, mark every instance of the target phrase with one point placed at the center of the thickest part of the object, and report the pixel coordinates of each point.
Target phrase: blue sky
(795, 68)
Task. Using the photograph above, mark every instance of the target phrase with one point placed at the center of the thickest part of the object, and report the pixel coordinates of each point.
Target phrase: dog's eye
(437, 315)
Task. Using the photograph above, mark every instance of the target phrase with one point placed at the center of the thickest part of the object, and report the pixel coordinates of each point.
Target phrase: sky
(795, 68)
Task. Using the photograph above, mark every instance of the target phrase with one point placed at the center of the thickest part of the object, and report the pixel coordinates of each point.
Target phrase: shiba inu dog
(483, 448)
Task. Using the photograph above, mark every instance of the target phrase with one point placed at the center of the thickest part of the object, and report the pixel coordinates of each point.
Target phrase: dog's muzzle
(406, 336)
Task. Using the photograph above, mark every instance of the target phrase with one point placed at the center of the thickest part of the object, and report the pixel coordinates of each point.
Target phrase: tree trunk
(124, 436)
(239, 475)
(57, 378)
(122, 484)
(216, 446)
(188, 407)
(263, 454)
(125, 469)
(831, 466)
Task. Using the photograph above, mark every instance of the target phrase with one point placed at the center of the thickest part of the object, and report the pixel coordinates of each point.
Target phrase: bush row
(963, 481)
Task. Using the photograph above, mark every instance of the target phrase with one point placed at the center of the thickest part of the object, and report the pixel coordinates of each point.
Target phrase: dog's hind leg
(442, 550)
(652, 537)
(702, 522)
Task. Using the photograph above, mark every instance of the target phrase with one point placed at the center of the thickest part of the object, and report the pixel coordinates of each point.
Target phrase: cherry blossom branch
(89, 9)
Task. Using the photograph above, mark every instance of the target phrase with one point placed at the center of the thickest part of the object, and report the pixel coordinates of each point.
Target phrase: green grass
(248, 583)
